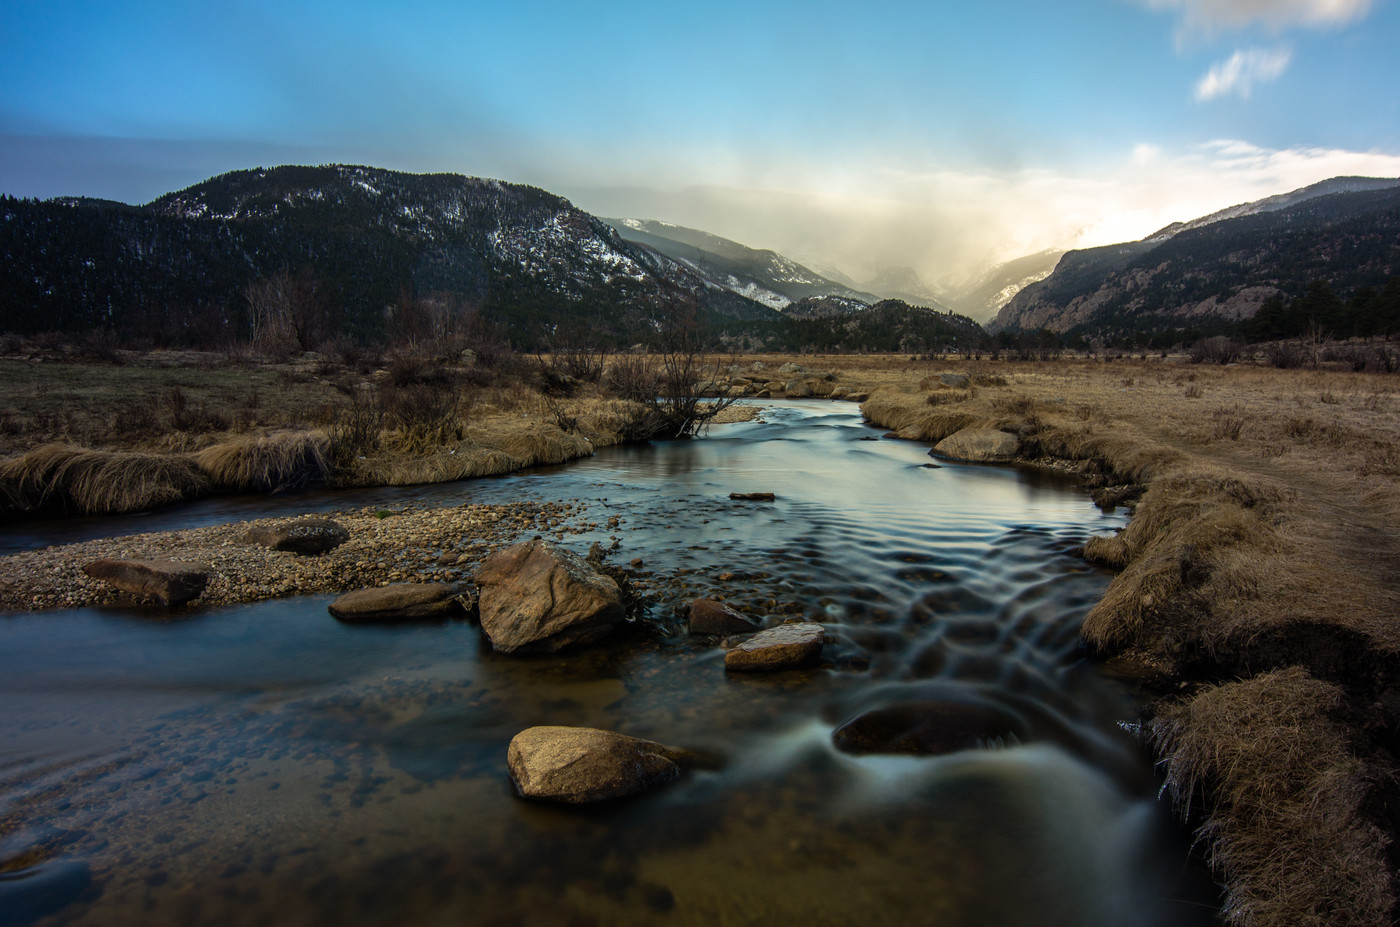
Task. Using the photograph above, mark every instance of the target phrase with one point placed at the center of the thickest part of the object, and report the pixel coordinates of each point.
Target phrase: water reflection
(267, 764)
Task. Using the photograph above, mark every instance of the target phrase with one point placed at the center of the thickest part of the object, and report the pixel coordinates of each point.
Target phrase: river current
(264, 764)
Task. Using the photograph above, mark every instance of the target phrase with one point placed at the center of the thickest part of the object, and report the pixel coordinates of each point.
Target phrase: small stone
(788, 646)
(306, 536)
(583, 764)
(169, 582)
(394, 604)
(710, 617)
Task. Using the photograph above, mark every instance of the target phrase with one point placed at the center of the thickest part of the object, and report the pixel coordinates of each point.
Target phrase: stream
(265, 764)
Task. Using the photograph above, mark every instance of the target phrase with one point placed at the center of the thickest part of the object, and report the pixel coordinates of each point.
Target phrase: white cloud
(1216, 15)
(1242, 71)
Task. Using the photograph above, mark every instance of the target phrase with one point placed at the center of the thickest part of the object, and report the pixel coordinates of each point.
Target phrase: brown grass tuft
(276, 462)
(64, 478)
(1282, 798)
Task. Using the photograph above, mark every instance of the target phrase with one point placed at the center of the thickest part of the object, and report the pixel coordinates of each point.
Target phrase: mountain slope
(986, 294)
(1223, 270)
(368, 241)
(761, 275)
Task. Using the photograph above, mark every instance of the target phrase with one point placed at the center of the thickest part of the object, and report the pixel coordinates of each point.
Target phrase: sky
(943, 136)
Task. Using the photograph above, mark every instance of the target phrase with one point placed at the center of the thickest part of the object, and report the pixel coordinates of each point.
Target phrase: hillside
(367, 249)
(758, 274)
(1221, 269)
(984, 295)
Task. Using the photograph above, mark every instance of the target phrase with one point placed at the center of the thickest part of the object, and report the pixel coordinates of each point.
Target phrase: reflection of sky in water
(266, 764)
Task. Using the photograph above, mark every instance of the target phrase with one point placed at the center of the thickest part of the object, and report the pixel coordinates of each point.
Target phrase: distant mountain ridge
(1220, 268)
(758, 274)
(368, 238)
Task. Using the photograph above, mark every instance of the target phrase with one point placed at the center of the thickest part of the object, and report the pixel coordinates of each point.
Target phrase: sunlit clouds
(1242, 71)
(1216, 15)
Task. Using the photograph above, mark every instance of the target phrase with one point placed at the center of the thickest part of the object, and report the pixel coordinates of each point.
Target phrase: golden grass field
(1258, 580)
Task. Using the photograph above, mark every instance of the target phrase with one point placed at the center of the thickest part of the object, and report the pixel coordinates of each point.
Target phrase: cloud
(1242, 71)
(1217, 15)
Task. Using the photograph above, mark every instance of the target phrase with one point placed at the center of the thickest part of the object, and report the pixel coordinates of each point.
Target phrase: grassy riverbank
(1258, 589)
(1258, 596)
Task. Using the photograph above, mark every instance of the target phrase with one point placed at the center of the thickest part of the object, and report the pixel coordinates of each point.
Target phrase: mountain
(905, 285)
(985, 294)
(761, 275)
(1221, 269)
(365, 244)
(837, 324)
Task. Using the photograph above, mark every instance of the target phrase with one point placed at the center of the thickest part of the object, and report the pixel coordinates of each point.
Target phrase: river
(265, 764)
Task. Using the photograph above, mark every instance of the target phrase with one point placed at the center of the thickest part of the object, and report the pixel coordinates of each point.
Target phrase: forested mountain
(758, 274)
(1214, 274)
(833, 324)
(983, 296)
(359, 251)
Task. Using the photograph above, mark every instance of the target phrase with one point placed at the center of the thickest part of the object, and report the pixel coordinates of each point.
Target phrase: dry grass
(64, 478)
(1281, 799)
(282, 460)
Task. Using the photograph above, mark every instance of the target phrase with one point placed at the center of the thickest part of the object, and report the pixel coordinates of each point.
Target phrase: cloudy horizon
(942, 140)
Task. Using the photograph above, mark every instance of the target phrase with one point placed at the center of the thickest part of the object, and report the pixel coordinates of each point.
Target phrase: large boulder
(928, 728)
(788, 646)
(169, 582)
(307, 536)
(584, 764)
(541, 597)
(978, 444)
(398, 603)
(710, 617)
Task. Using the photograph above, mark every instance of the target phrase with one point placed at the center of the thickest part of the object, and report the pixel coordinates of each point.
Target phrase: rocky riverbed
(406, 544)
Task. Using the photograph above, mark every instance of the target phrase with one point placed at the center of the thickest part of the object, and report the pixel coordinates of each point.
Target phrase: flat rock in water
(710, 617)
(302, 536)
(584, 764)
(978, 444)
(397, 603)
(169, 582)
(541, 597)
(927, 728)
(788, 646)
(753, 496)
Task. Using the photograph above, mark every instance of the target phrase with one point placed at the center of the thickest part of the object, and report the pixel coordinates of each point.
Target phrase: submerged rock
(710, 617)
(753, 496)
(927, 728)
(541, 597)
(978, 444)
(169, 582)
(401, 602)
(307, 536)
(788, 646)
(584, 764)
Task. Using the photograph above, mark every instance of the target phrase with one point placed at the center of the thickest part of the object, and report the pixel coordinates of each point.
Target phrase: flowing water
(264, 764)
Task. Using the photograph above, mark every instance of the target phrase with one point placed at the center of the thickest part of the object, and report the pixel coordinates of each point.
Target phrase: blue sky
(944, 136)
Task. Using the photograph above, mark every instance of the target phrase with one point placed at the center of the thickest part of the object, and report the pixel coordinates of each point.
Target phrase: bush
(1217, 350)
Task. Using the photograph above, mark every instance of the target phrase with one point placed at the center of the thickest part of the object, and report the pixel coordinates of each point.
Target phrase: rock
(399, 603)
(302, 536)
(710, 617)
(752, 496)
(584, 764)
(169, 582)
(978, 444)
(857, 397)
(839, 392)
(538, 596)
(927, 728)
(798, 389)
(954, 380)
(790, 369)
(788, 646)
